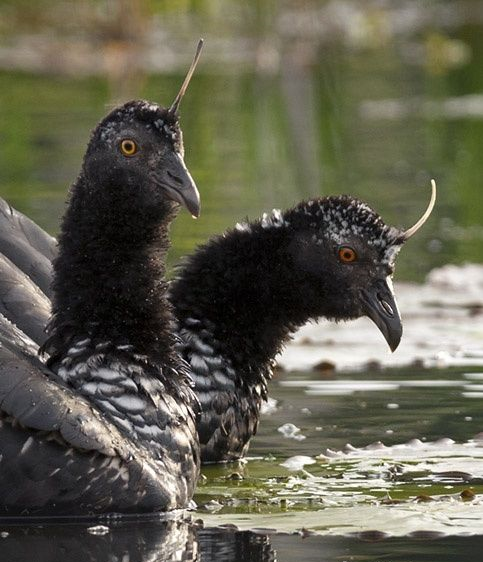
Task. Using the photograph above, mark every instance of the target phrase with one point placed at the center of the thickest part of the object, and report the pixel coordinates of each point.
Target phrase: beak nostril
(177, 179)
(386, 306)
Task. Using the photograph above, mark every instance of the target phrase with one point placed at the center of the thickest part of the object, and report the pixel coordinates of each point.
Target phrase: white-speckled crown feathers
(338, 219)
(154, 117)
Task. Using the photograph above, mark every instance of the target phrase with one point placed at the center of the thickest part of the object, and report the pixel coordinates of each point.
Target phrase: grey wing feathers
(22, 302)
(59, 455)
(29, 247)
(50, 407)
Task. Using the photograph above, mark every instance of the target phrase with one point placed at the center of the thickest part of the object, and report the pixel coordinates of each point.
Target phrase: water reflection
(180, 541)
(226, 545)
(374, 547)
(135, 541)
(123, 542)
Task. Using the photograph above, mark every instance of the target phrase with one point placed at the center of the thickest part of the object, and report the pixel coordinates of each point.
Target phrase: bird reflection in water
(175, 539)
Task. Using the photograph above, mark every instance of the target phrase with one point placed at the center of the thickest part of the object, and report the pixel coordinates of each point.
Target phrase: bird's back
(60, 456)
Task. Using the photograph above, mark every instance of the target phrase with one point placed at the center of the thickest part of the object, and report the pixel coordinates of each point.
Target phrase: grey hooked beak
(379, 304)
(180, 186)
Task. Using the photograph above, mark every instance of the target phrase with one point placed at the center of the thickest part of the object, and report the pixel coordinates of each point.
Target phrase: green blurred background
(292, 99)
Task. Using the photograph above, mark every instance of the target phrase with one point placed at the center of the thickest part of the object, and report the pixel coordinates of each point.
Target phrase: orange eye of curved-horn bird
(129, 147)
(347, 254)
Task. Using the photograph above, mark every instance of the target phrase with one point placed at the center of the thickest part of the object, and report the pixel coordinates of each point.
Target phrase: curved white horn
(411, 231)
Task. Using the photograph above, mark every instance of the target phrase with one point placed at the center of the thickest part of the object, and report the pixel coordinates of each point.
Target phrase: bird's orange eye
(347, 254)
(128, 147)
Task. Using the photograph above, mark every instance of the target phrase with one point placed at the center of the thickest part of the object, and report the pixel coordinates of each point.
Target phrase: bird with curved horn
(239, 298)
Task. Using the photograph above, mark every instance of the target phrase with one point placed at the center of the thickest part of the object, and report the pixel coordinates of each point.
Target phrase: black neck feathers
(109, 275)
(241, 287)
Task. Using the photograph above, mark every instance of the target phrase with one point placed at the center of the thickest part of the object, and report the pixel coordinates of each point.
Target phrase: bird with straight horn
(108, 423)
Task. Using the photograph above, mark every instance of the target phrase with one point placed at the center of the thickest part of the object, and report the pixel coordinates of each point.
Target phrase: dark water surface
(183, 541)
(158, 542)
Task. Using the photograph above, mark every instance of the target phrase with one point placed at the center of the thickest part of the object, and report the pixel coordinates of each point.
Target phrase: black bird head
(346, 255)
(141, 144)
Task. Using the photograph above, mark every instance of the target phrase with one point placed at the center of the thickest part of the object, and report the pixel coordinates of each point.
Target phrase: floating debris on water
(395, 475)
(468, 494)
(324, 367)
(297, 462)
(98, 530)
(291, 431)
(213, 506)
(235, 476)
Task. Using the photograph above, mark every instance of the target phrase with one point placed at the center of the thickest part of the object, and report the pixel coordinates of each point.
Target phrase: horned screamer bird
(239, 298)
(107, 425)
